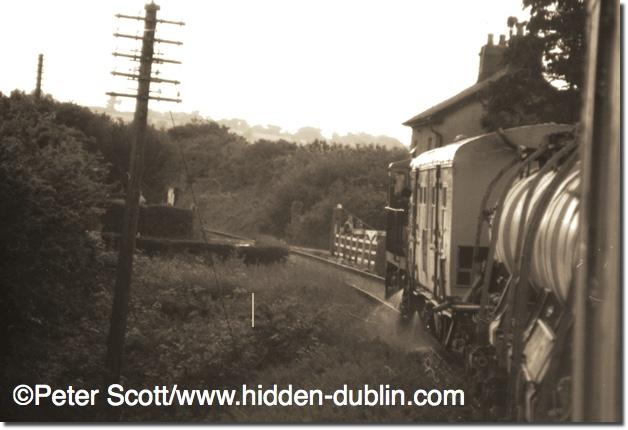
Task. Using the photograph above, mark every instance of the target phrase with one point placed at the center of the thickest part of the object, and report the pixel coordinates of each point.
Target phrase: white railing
(359, 248)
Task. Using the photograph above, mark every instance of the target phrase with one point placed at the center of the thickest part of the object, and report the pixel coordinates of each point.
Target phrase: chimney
(491, 57)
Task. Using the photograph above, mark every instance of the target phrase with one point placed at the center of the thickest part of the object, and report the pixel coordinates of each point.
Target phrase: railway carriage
(448, 184)
(447, 187)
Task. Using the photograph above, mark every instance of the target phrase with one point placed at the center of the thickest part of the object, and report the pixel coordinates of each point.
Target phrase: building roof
(456, 100)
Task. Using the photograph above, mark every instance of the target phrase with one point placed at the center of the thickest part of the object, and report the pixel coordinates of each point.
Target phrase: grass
(190, 325)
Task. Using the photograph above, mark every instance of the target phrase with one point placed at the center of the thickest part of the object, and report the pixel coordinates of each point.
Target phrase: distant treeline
(252, 133)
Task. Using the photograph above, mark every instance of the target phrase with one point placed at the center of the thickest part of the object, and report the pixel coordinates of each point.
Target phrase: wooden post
(380, 257)
(336, 217)
(40, 68)
(364, 253)
(371, 260)
(597, 346)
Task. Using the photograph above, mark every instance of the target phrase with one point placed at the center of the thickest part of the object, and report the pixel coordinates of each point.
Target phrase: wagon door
(432, 230)
(422, 228)
(444, 222)
(412, 225)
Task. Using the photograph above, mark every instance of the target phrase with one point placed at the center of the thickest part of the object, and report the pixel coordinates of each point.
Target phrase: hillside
(253, 133)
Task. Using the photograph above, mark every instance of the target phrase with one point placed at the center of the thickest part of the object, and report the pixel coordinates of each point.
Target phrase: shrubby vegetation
(60, 162)
(59, 165)
(52, 189)
(153, 220)
(190, 327)
(242, 187)
(251, 188)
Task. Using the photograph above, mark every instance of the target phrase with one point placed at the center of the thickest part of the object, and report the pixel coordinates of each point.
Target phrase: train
(481, 239)
(506, 247)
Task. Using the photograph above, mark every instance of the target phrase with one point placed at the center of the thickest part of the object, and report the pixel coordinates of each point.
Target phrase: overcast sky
(342, 65)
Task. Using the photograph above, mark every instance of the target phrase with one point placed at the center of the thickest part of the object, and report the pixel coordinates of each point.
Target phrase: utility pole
(597, 354)
(40, 68)
(119, 312)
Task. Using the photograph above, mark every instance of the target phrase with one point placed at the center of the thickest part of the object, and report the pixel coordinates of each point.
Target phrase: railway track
(367, 284)
(437, 362)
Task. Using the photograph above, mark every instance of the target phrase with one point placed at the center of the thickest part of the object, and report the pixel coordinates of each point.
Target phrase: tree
(52, 190)
(559, 26)
(545, 68)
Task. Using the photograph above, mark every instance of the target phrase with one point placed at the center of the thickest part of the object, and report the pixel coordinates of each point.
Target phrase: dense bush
(52, 191)
(52, 194)
(354, 177)
(107, 138)
(249, 254)
(166, 221)
(154, 220)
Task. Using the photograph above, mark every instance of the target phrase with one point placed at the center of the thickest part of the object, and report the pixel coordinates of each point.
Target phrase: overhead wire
(201, 222)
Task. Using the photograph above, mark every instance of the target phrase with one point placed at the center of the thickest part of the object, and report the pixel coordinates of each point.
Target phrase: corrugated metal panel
(553, 259)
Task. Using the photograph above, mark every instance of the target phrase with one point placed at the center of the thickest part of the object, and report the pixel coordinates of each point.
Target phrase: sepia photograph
(321, 212)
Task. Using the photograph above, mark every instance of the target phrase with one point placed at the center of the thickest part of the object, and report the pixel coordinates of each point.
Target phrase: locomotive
(481, 243)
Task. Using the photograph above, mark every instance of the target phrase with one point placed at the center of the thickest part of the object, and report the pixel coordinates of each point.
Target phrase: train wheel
(406, 307)
(427, 316)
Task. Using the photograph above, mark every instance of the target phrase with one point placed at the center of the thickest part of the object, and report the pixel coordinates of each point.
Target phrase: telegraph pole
(596, 385)
(119, 312)
(40, 68)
